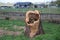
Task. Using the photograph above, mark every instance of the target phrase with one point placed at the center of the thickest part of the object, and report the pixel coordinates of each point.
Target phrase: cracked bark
(33, 24)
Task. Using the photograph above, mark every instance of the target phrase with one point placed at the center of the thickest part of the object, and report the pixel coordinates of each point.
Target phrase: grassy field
(52, 30)
(10, 23)
(42, 10)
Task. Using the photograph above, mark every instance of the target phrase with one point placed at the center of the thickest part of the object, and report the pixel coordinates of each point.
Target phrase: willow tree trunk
(33, 24)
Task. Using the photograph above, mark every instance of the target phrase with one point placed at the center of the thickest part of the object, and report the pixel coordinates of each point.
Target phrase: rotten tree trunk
(33, 24)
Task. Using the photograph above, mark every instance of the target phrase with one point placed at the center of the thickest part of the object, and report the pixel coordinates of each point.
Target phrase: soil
(7, 32)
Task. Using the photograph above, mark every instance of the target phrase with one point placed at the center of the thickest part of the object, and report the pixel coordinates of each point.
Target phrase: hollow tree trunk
(33, 24)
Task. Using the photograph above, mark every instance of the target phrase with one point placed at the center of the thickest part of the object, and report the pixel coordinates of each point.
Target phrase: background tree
(58, 2)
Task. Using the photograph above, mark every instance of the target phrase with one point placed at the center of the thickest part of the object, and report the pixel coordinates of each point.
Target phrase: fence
(21, 16)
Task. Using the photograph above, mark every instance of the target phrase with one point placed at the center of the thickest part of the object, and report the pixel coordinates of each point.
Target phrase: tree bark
(33, 24)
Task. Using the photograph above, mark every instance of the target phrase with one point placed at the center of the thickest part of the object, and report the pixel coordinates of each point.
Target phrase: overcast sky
(14, 1)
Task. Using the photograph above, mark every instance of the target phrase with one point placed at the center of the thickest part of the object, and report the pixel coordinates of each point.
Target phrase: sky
(33, 1)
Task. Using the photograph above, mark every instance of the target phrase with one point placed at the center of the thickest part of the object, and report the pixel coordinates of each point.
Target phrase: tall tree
(58, 2)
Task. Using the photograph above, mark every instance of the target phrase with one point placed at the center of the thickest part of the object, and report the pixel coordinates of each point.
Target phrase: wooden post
(33, 24)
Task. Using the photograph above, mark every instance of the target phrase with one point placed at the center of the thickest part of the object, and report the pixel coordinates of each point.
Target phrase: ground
(15, 31)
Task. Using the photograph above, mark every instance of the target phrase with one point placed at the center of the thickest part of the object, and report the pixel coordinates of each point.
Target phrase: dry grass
(15, 33)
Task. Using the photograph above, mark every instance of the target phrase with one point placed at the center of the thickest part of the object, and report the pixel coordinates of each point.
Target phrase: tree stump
(33, 24)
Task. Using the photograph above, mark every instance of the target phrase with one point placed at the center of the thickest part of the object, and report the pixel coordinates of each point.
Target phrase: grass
(52, 31)
(42, 10)
(10, 23)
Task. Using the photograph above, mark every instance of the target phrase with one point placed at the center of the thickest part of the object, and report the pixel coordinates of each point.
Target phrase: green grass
(5, 23)
(42, 10)
(9, 24)
(52, 31)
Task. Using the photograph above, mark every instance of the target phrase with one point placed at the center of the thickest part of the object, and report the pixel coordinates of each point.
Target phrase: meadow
(52, 30)
(42, 10)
